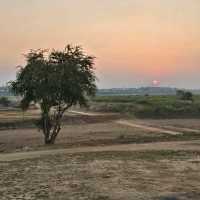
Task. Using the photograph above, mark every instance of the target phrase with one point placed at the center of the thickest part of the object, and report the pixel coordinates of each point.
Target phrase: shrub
(184, 95)
(4, 101)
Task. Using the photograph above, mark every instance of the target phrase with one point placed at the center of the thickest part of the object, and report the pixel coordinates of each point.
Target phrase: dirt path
(82, 113)
(172, 130)
(132, 124)
(190, 145)
(182, 129)
(89, 113)
(149, 128)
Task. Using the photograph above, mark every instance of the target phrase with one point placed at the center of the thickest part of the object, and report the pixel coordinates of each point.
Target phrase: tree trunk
(50, 136)
(49, 141)
(51, 127)
(46, 129)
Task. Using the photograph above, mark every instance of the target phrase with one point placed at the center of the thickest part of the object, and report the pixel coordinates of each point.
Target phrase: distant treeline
(142, 91)
(182, 105)
(4, 91)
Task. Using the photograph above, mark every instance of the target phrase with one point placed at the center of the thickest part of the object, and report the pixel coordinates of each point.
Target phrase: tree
(188, 96)
(184, 95)
(56, 80)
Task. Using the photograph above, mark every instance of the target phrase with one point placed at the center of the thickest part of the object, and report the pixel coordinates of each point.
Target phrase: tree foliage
(56, 80)
(184, 95)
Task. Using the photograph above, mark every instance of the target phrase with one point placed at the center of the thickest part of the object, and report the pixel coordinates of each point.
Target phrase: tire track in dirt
(148, 128)
(190, 145)
(132, 124)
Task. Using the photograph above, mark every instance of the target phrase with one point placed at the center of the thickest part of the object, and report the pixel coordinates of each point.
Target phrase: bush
(184, 95)
(150, 106)
(4, 101)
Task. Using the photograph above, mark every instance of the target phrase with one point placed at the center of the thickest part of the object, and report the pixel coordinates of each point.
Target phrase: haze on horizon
(135, 41)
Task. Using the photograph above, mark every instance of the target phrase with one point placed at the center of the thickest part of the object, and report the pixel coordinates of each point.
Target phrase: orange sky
(135, 41)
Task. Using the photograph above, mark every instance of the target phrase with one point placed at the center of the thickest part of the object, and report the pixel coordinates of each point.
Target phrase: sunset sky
(136, 42)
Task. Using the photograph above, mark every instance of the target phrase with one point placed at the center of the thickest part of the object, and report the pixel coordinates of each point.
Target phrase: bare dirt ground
(192, 125)
(143, 175)
(191, 145)
(99, 159)
(83, 134)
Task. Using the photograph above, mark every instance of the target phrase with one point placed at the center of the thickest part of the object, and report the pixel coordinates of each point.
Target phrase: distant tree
(4, 101)
(56, 80)
(188, 96)
(184, 95)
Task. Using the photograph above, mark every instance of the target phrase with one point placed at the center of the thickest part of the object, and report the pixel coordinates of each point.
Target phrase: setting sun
(128, 38)
(156, 83)
(100, 99)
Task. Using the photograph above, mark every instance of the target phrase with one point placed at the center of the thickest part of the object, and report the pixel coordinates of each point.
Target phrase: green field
(148, 106)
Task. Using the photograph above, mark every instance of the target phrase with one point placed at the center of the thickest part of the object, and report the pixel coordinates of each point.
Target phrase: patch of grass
(17, 122)
(168, 106)
(157, 138)
(29, 123)
(152, 155)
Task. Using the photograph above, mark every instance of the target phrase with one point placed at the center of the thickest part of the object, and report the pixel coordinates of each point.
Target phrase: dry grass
(180, 123)
(149, 175)
(72, 135)
(103, 176)
(84, 131)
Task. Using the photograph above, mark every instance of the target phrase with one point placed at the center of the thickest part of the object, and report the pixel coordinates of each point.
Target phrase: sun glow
(155, 83)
